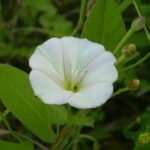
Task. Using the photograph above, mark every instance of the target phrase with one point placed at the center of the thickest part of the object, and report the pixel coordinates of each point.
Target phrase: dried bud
(138, 23)
(134, 84)
(129, 50)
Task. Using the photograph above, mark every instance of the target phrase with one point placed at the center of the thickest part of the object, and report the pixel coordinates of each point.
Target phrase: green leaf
(15, 146)
(56, 23)
(104, 24)
(18, 97)
(41, 5)
(142, 147)
(57, 114)
(81, 120)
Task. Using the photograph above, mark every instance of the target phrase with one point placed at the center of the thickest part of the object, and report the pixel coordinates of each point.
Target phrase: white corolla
(74, 71)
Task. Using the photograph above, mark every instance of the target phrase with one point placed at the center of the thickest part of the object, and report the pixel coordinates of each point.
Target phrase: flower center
(72, 86)
(74, 83)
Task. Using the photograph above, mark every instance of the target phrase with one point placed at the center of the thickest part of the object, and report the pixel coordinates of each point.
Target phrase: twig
(145, 28)
(138, 62)
(81, 17)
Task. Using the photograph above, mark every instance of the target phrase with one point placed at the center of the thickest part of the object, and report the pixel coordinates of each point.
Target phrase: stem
(68, 137)
(89, 137)
(33, 141)
(76, 139)
(138, 11)
(123, 59)
(120, 59)
(138, 62)
(83, 112)
(81, 17)
(66, 133)
(9, 127)
(4, 114)
(4, 132)
(69, 109)
(69, 145)
(123, 41)
(122, 90)
(132, 57)
(59, 138)
(25, 137)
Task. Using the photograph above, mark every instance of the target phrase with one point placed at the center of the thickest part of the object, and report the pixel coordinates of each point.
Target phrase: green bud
(129, 50)
(144, 138)
(138, 23)
(134, 84)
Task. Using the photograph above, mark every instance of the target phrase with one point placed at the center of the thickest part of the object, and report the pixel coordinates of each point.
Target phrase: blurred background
(123, 123)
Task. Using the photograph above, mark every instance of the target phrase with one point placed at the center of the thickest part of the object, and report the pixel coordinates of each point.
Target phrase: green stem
(81, 17)
(4, 132)
(9, 127)
(69, 109)
(76, 139)
(26, 138)
(138, 11)
(132, 57)
(66, 133)
(4, 114)
(123, 41)
(69, 145)
(138, 62)
(122, 90)
(59, 138)
(68, 137)
(33, 141)
(120, 59)
(89, 137)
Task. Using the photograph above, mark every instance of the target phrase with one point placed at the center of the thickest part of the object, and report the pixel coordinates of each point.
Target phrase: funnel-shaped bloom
(74, 71)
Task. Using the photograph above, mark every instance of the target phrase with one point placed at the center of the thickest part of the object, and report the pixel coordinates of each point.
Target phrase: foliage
(26, 123)
(100, 28)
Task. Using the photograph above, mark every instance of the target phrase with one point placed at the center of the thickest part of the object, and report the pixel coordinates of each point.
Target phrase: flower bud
(144, 138)
(138, 23)
(129, 50)
(134, 84)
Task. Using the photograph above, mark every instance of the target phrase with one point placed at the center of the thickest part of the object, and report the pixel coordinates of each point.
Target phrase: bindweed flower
(74, 71)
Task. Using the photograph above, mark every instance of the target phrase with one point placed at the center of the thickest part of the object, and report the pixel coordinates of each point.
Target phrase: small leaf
(104, 24)
(79, 120)
(15, 146)
(18, 97)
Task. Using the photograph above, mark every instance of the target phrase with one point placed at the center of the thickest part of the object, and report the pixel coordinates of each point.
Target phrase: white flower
(74, 71)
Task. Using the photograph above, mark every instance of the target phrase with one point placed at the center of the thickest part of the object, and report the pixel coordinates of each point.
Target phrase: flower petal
(40, 63)
(46, 89)
(48, 58)
(102, 69)
(81, 51)
(91, 96)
